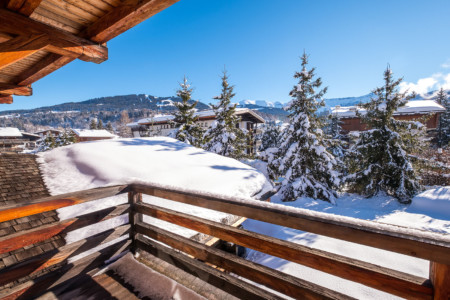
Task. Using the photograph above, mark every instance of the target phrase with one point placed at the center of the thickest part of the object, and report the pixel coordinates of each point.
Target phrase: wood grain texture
(20, 47)
(28, 237)
(24, 7)
(440, 278)
(6, 99)
(435, 246)
(393, 282)
(55, 202)
(11, 89)
(282, 282)
(128, 14)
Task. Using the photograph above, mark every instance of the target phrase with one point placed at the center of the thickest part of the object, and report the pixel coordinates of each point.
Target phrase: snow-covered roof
(10, 132)
(200, 114)
(47, 130)
(411, 107)
(93, 133)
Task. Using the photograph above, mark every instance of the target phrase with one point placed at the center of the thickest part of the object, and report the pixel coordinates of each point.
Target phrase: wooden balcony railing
(142, 237)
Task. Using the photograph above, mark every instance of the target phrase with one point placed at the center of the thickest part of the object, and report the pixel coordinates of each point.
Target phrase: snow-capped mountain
(261, 103)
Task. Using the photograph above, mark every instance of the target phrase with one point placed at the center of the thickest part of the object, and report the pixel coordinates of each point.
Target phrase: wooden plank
(432, 246)
(47, 65)
(393, 282)
(6, 99)
(440, 278)
(20, 47)
(26, 28)
(23, 7)
(221, 280)
(11, 89)
(282, 282)
(54, 202)
(134, 217)
(54, 257)
(125, 16)
(29, 237)
(58, 279)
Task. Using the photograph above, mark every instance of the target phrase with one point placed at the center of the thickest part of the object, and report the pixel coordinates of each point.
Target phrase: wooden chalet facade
(12, 140)
(87, 135)
(428, 110)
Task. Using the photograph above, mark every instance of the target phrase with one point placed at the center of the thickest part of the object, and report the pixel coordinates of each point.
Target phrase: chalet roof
(38, 37)
(204, 114)
(93, 133)
(10, 132)
(411, 107)
(47, 130)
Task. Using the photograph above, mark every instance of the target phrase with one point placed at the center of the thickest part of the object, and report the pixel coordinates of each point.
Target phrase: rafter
(19, 90)
(6, 99)
(127, 15)
(24, 7)
(43, 36)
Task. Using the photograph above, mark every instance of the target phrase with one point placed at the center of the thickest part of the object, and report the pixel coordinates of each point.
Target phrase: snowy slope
(429, 211)
(261, 103)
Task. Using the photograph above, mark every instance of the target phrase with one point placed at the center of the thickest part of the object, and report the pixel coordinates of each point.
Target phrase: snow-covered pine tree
(444, 119)
(109, 127)
(302, 160)
(270, 140)
(379, 160)
(99, 124)
(93, 124)
(224, 137)
(336, 138)
(47, 143)
(187, 130)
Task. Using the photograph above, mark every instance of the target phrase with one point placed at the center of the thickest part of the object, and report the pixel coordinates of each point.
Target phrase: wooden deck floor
(104, 286)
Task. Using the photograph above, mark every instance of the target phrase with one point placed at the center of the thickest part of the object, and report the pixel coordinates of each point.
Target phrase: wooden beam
(24, 238)
(393, 282)
(127, 15)
(19, 90)
(6, 99)
(56, 40)
(20, 47)
(54, 202)
(24, 7)
(440, 278)
(431, 246)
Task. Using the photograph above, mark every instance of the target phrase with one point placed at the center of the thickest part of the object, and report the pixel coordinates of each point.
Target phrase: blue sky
(259, 42)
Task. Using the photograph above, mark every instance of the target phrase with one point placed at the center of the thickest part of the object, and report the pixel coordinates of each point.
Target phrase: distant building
(413, 110)
(162, 125)
(13, 140)
(85, 135)
(46, 132)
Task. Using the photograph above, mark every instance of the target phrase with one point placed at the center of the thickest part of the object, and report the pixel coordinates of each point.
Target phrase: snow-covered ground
(429, 211)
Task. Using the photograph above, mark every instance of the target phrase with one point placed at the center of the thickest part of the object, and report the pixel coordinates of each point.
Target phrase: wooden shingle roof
(38, 37)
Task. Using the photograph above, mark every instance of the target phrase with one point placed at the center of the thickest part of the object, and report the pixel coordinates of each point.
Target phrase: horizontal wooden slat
(54, 202)
(282, 282)
(59, 278)
(226, 282)
(28, 237)
(35, 264)
(433, 247)
(394, 282)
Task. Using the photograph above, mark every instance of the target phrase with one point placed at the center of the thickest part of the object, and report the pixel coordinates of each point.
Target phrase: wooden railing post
(134, 217)
(440, 278)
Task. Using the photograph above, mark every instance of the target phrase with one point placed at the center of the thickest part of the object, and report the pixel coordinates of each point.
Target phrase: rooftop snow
(93, 133)
(10, 132)
(412, 107)
(157, 160)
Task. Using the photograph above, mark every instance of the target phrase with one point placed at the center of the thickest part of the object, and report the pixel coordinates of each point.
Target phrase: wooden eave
(37, 37)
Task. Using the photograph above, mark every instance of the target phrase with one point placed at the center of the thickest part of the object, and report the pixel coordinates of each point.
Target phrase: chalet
(14, 140)
(163, 125)
(47, 132)
(413, 110)
(86, 135)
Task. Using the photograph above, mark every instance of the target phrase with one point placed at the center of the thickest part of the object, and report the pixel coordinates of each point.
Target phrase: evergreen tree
(302, 159)
(379, 160)
(444, 119)
(99, 124)
(93, 124)
(109, 127)
(336, 139)
(270, 140)
(224, 137)
(123, 129)
(187, 130)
